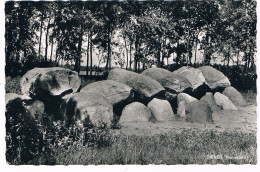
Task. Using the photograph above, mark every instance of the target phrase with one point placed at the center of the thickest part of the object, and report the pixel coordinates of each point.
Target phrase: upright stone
(182, 100)
(223, 102)
(135, 112)
(161, 110)
(234, 96)
(199, 112)
(209, 98)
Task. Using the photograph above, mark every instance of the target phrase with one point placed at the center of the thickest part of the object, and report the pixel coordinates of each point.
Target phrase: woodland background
(97, 36)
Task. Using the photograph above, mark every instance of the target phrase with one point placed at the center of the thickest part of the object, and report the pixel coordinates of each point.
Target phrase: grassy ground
(249, 96)
(188, 147)
(205, 145)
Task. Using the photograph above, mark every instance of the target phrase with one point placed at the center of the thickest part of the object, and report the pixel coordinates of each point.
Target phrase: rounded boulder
(197, 80)
(224, 102)
(145, 87)
(161, 109)
(194, 76)
(234, 96)
(49, 84)
(135, 112)
(171, 82)
(87, 109)
(215, 79)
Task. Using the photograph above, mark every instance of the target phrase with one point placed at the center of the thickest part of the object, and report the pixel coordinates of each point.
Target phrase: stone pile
(155, 95)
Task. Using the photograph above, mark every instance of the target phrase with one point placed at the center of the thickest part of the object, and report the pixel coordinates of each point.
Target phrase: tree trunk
(56, 58)
(78, 58)
(138, 67)
(109, 48)
(91, 53)
(130, 55)
(46, 41)
(178, 55)
(126, 53)
(237, 57)
(228, 59)
(51, 48)
(137, 51)
(159, 55)
(195, 57)
(249, 60)
(87, 55)
(52, 37)
(39, 51)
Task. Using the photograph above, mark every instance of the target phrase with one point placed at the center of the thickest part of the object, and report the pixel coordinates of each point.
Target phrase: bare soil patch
(243, 120)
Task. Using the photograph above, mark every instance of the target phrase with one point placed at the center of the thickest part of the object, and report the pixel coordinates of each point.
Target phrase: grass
(249, 96)
(188, 147)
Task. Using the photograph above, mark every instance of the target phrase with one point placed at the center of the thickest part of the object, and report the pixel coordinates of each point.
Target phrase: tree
(20, 35)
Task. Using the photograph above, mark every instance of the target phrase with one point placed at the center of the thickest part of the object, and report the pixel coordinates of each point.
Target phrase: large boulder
(34, 107)
(135, 112)
(49, 84)
(194, 76)
(234, 96)
(145, 87)
(197, 80)
(161, 110)
(182, 100)
(209, 98)
(117, 93)
(224, 102)
(87, 109)
(199, 112)
(172, 83)
(215, 79)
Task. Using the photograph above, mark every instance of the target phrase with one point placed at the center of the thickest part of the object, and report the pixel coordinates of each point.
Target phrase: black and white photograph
(130, 82)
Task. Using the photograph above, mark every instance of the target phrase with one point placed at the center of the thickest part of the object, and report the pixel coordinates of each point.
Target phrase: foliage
(241, 80)
(72, 145)
(143, 31)
(12, 85)
(31, 141)
(23, 138)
